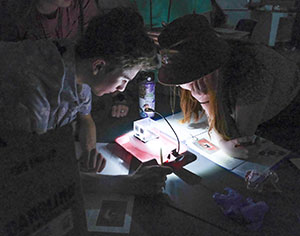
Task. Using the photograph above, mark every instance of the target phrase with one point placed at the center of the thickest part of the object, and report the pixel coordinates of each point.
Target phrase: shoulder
(43, 55)
(30, 53)
(258, 72)
(34, 62)
(242, 63)
(245, 74)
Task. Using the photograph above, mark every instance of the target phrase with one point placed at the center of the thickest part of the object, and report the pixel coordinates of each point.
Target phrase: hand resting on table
(91, 161)
(146, 180)
(244, 147)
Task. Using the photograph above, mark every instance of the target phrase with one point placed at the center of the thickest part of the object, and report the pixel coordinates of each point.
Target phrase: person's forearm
(105, 183)
(87, 133)
(147, 180)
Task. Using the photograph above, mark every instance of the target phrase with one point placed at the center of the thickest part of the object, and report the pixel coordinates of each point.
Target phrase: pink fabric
(38, 26)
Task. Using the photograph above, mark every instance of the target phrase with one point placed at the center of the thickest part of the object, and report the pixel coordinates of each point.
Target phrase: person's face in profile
(199, 87)
(113, 81)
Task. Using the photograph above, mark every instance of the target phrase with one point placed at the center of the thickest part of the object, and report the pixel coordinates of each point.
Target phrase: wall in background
(235, 10)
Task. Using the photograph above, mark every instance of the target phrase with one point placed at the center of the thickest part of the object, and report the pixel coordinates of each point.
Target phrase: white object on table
(114, 164)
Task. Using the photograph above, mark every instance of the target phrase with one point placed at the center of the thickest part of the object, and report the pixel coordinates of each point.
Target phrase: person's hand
(154, 36)
(92, 161)
(148, 180)
(120, 106)
(243, 147)
(119, 110)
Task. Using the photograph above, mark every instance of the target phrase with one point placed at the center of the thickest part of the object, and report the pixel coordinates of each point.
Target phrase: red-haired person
(245, 89)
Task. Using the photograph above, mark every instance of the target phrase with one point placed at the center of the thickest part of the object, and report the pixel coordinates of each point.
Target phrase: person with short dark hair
(46, 84)
(238, 85)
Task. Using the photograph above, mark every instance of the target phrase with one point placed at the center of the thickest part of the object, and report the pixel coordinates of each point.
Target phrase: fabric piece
(242, 210)
(38, 88)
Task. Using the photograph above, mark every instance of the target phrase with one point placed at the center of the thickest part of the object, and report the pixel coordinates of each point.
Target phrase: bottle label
(147, 98)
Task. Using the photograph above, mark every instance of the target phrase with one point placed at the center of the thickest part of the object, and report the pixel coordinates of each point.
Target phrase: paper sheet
(112, 214)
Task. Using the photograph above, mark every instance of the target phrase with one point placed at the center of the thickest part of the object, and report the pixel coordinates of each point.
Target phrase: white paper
(103, 218)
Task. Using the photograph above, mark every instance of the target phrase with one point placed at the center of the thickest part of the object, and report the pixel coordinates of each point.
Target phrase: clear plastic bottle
(146, 93)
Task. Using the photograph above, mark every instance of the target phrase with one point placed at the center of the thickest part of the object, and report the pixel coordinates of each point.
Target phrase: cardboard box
(40, 191)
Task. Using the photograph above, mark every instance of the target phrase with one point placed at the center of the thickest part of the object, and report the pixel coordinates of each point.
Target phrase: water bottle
(146, 93)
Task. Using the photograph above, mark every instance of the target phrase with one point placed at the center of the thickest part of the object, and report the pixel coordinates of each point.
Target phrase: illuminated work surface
(203, 178)
(185, 195)
(196, 198)
(190, 133)
(149, 217)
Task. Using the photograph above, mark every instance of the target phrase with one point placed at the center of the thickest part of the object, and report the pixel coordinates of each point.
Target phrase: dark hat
(190, 49)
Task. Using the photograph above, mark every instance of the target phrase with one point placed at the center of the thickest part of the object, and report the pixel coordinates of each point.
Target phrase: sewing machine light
(144, 129)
